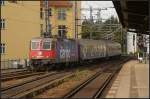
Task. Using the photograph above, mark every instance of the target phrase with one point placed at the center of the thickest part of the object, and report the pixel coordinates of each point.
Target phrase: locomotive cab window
(35, 45)
(46, 45)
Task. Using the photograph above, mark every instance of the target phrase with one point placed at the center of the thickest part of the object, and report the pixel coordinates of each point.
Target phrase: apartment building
(62, 16)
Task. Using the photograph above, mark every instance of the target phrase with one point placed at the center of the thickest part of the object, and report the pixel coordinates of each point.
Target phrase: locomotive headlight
(39, 53)
(33, 56)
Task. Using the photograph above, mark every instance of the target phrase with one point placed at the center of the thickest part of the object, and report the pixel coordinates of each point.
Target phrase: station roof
(133, 15)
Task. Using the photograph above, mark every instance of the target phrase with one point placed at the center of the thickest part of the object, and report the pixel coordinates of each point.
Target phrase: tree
(101, 29)
(87, 28)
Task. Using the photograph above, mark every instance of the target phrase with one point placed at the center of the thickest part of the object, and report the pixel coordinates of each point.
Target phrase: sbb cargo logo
(65, 53)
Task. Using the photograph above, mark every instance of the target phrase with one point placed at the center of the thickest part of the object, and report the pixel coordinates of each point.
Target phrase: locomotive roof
(108, 41)
(51, 38)
(102, 40)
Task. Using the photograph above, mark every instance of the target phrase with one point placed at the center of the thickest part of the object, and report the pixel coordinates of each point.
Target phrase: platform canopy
(133, 15)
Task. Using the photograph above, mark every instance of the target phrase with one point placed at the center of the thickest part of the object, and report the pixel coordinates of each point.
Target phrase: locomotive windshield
(35, 45)
(46, 45)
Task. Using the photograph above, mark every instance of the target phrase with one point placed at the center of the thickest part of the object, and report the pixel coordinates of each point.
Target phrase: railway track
(19, 75)
(29, 87)
(15, 73)
(9, 72)
(3, 88)
(93, 87)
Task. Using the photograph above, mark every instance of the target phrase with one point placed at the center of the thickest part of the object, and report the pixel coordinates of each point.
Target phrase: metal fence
(10, 64)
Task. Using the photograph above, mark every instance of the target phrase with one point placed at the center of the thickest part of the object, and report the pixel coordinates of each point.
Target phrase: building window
(61, 30)
(2, 48)
(2, 24)
(41, 28)
(41, 13)
(2, 2)
(61, 14)
(50, 12)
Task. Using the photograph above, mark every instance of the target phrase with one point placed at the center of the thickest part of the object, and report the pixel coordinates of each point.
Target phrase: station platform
(131, 82)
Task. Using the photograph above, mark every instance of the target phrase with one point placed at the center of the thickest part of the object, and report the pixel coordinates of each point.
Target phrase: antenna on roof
(47, 20)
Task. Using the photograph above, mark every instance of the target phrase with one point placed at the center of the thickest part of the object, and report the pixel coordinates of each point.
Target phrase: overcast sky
(99, 4)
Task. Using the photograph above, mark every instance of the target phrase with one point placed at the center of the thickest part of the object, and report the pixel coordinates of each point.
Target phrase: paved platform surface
(131, 82)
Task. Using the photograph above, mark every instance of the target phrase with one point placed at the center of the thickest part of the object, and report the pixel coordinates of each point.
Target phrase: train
(51, 52)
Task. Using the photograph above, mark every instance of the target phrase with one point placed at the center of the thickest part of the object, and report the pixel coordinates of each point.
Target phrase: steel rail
(14, 73)
(104, 85)
(20, 76)
(3, 72)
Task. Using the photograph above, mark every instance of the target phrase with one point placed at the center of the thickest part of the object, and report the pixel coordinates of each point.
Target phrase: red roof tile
(59, 3)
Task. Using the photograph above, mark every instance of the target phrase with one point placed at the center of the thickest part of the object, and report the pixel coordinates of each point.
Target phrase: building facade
(20, 21)
(131, 42)
(137, 43)
(146, 43)
(62, 15)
